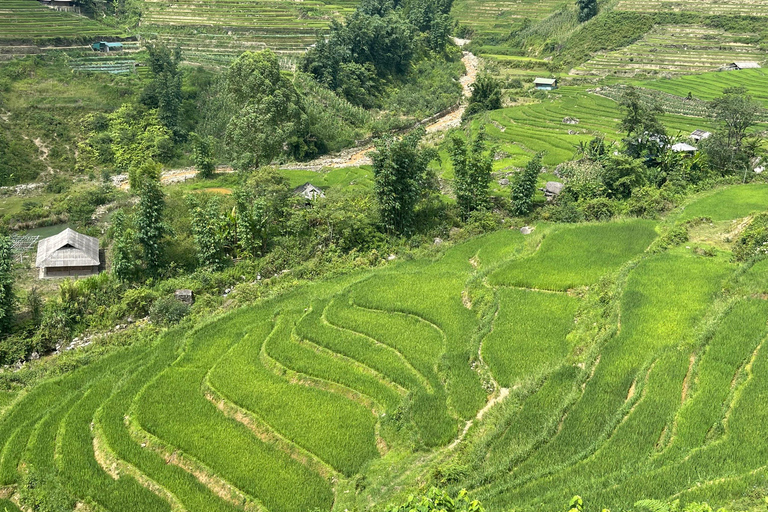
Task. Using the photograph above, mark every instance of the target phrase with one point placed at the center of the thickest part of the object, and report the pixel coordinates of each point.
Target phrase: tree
(126, 257)
(730, 148)
(163, 92)
(486, 95)
(436, 500)
(150, 228)
(524, 186)
(7, 299)
(646, 135)
(269, 116)
(587, 9)
(262, 209)
(472, 166)
(202, 155)
(212, 228)
(401, 179)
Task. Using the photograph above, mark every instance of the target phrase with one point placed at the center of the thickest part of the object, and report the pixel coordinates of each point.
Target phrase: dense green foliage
(472, 165)
(402, 180)
(7, 298)
(524, 186)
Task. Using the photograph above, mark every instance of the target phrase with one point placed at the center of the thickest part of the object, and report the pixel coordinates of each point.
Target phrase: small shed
(699, 135)
(735, 66)
(308, 191)
(185, 295)
(545, 84)
(106, 47)
(682, 147)
(68, 254)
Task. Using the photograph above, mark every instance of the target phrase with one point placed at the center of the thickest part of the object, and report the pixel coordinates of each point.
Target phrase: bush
(137, 302)
(676, 236)
(167, 311)
(599, 209)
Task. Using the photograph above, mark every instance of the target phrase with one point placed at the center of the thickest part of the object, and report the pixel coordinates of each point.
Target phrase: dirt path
(351, 157)
(354, 157)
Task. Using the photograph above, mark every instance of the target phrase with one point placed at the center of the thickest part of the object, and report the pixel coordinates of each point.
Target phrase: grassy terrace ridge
(285, 404)
(676, 49)
(29, 22)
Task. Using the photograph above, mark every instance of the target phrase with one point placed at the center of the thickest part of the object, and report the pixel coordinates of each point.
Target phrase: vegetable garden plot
(579, 256)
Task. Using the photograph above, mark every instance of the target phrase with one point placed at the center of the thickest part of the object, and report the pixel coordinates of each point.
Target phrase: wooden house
(68, 254)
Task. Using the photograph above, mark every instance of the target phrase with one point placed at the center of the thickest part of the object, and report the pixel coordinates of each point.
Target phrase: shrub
(137, 302)
(167, 311)
(676, 236)
(599, 208)
(436, 500)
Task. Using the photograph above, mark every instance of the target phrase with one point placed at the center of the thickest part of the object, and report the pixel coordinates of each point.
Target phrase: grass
(729, 203)
(528, 337)
(590, 250)
(355, 382)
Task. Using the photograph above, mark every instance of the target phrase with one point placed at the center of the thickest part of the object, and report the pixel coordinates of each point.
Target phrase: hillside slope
(614, 372)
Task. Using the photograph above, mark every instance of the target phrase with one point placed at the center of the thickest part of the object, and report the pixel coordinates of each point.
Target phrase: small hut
(308, 191)
(736, 66)
(68, 254)
(545, 84)
(682, 147)
(106, 47)
(699, 135)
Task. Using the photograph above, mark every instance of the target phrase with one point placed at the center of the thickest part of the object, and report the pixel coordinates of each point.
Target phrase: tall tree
(472, 165)
(150, 228)
(646, 135)
(402, 179)
(202, 155)
(734, 113)
(212, 229)
(7, 299)
(269, 116)
(524, 186)
(126, 257)
(163, 92)
(486, 95)
(587, 9)
(262, 209)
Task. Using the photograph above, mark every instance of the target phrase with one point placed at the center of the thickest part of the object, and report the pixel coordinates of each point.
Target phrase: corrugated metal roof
(683, 147)
(545, 81)
(746, 65)
(68, 249)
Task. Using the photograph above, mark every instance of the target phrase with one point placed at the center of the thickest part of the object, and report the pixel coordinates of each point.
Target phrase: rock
(503, 182)
(552, 189)
(438, 241)
(185, 296)
(453, 231)
(570, 120)
(526, 230)
(391, 257)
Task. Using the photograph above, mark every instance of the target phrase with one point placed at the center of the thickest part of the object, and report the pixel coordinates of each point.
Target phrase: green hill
(631, 374)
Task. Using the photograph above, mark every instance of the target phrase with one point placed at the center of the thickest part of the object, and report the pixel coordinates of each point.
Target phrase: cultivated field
(674, 49)
(284, 405)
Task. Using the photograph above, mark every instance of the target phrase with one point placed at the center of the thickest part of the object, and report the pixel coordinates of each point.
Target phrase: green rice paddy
(626, 375)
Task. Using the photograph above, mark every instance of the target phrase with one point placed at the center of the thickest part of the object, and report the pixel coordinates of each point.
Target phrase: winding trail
(352, 157)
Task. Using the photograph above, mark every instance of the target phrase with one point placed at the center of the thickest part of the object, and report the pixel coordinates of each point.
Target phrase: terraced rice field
(522, 131)
(708, 86)
(216, 31)
(30, 22)
(287, 404)
(500, 17)
(727, 7)
(674, 49)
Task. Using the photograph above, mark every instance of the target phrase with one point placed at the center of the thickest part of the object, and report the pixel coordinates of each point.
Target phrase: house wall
(51, 272)
(546, 87)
